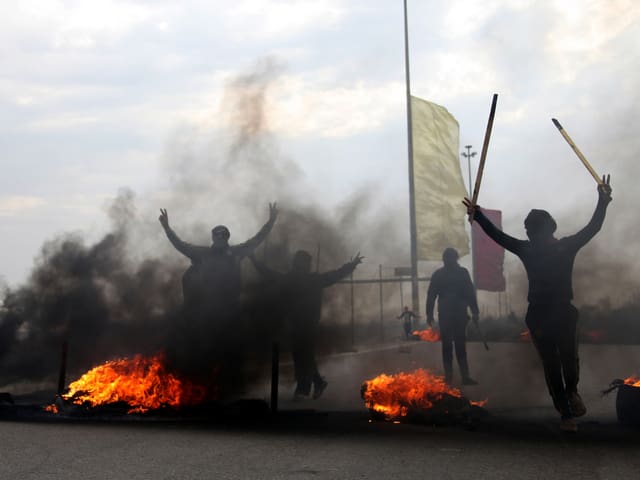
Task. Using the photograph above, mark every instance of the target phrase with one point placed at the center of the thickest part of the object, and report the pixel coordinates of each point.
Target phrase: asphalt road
(334, 437)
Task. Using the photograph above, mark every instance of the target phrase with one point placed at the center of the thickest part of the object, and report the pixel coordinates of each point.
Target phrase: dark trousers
(453, 333)
(305, 366)
(407, 328)
(554, 333)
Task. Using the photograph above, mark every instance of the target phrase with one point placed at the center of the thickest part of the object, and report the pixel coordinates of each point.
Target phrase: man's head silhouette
(539, 225)
(302, 262)
(220, 235)
(450, 257)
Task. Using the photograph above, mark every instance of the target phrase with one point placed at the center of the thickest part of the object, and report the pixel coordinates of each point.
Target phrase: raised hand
(471, 208)
(604, 188)
(357, 259)
(164, 218)
(273, 210)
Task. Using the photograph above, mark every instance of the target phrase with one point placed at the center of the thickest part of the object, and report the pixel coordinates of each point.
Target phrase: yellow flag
(439, 188)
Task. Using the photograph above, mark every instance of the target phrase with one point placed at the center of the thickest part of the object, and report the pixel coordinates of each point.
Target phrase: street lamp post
(469, 155)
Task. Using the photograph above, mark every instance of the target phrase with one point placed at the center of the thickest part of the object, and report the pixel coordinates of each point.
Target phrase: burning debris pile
(417, 397)
(428, 335)
(627, 400)
(142, 383)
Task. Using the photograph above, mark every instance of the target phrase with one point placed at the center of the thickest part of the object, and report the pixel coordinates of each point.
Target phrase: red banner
(488, 256)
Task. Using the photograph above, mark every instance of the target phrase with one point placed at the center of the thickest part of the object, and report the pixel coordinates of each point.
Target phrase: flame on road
(595, 336)
(395, 395)
(142, 382)
(632, 381)
(428, 335)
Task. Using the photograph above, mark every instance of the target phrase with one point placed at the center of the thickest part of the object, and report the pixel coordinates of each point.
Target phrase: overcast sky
(94, 94)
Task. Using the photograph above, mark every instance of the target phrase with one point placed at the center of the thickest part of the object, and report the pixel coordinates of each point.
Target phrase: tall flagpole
(415, 297)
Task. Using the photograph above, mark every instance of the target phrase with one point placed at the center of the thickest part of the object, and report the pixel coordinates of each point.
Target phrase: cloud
(13, 205)
(582, 34)
(80, 25)
(62, 121)
(278, 18)
(300, 107)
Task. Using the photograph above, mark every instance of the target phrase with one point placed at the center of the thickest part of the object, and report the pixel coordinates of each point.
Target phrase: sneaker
(318, 388)
(469, 381)
(577, 407)
(568, 424)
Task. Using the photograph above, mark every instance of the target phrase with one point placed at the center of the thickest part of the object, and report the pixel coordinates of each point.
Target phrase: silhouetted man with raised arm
(451, 285)
(210, 336)
(551, 317)
(301, 297)
(213, 280)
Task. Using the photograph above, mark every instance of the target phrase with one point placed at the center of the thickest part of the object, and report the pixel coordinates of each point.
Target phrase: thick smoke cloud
(122, 295)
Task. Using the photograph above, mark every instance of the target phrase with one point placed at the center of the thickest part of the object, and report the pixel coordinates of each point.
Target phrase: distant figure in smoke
(302, 304)
(551, 318)
(451, 285)
(211, 290)
(407, 317)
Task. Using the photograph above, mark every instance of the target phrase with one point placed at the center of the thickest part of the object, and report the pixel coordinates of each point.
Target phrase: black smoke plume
(122, 295)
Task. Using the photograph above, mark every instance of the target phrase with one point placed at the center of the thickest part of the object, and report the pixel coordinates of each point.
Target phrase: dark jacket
(301, 294)
(455, 292)
(549, 265)
(214, 274)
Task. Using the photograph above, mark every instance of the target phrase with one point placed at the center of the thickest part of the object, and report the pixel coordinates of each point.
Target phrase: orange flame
(595, 335)
(142, 382)
(428, 335)
(393, 395)
(525, 336)
(633, 381)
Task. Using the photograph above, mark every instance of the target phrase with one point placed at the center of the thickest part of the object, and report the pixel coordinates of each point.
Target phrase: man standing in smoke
(551, 317)
(301, 297)
(451, 285)
(211, 291)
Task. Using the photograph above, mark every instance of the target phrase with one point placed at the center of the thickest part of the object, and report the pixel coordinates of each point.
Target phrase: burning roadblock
(142, 383)
(627, 400)
(427, 335)
(137, 388)
(418, 397)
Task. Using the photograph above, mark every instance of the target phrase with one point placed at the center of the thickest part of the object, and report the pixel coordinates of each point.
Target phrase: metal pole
(275, 375)
(353, 321)
(469, 155)
(380, 294)
(415, 299)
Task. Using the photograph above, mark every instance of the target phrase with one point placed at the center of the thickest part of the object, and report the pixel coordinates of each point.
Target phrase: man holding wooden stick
(551, 317)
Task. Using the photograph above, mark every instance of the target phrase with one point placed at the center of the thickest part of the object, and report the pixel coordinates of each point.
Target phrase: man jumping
(551, 317)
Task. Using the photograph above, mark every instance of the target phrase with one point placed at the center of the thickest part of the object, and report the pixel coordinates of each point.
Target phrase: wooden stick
(485, 147)
(578, 152)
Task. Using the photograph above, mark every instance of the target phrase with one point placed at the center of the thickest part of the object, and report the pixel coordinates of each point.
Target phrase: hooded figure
(551, 317)
(301, 305)
(210, 336)
(451, 285)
